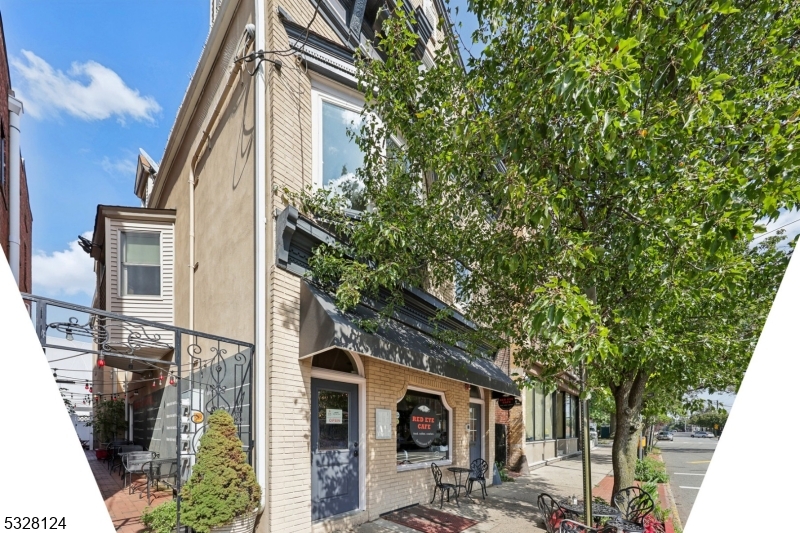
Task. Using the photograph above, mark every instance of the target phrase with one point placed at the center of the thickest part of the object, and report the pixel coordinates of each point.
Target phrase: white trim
(318, 97)
(451, 427)
(333, 375)
(354, 357)
(120, 282)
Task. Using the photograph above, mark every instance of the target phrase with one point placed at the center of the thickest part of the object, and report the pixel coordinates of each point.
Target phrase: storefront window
(538, 412)
(548, 416)
(528, 414)
(567, 416)
(423, 425)
(560, 415)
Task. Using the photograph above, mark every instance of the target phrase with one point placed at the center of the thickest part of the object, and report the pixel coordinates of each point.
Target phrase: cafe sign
(424, 424)
(506, 402)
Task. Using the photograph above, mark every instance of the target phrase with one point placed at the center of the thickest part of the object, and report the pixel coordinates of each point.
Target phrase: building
(345, 421)
(16, 221)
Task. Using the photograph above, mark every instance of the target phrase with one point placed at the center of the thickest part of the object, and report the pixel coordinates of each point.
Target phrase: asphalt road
(687, 461)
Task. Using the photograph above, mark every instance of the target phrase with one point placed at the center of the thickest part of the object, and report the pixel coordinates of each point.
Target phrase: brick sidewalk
(125, 509)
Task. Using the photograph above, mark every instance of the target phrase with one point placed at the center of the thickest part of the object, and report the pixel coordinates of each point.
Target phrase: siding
(156, 309)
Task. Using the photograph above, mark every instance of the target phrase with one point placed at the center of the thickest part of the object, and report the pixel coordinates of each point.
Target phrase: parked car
(664, 435)
(703, 435)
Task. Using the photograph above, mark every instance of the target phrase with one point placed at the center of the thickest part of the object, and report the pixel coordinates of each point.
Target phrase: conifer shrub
(223, 485)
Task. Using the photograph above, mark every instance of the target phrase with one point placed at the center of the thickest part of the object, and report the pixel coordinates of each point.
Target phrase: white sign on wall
(333, 416)
(383, 424)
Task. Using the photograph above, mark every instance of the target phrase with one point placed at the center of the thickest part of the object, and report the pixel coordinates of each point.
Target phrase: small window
(462, 295)
(475, 392)
(141, 263)
(423, 426)
(337, 360)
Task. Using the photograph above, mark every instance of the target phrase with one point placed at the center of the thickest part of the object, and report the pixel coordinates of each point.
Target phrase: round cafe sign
(424, 424)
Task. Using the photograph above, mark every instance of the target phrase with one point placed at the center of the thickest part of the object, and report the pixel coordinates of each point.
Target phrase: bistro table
(599, 510)
(458, 472)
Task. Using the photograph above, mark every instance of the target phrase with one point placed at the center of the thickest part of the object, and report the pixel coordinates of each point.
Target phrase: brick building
(15, 238)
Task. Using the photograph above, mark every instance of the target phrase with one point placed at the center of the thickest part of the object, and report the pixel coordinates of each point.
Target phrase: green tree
(710, 418)
(600, 170)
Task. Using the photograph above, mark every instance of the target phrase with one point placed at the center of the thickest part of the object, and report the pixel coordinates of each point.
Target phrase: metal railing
(187, 375)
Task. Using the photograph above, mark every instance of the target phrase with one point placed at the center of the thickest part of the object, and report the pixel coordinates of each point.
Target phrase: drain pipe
(261, 285)
(14, 111)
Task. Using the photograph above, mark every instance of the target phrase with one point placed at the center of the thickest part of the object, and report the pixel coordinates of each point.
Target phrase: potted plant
(108, 422)
(222, 494)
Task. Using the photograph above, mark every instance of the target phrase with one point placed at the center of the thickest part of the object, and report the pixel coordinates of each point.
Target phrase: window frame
(325, 91)
(450, 429)
(121, 265)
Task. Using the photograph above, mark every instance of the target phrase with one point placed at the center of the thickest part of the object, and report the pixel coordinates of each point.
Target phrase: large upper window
(337, 156)
(549, 415)
(140, 263)
(423, 429)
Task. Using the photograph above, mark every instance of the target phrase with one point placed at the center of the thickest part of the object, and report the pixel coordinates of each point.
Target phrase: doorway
(334, 448)
(475, 432)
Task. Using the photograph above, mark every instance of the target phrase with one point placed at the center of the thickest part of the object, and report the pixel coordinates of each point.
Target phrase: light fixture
(87, 386)
(101, 362)
(172, 380)
(54, 373)
(69, 335)
(90, 389)
(136, 392)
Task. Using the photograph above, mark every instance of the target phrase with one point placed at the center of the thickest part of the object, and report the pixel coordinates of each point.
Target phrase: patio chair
(442, 487)
(552, 513)
(477, 474)
(122, 450)
(634, 504)
(133, 463)
(571, 526)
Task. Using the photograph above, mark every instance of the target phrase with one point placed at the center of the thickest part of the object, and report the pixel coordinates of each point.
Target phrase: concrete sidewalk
(511, 507)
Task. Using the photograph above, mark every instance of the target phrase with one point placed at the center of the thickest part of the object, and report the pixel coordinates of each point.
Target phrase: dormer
(134, 255)
(146, 171)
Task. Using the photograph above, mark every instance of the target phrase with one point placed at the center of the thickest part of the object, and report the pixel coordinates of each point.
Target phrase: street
(687, 460)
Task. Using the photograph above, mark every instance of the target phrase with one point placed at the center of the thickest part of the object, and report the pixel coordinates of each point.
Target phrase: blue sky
(99, 79)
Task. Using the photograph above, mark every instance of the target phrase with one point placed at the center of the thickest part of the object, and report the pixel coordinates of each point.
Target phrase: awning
(323, 326)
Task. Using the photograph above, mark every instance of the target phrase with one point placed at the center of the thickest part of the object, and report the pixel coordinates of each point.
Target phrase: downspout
(261, 285)
(15, 110)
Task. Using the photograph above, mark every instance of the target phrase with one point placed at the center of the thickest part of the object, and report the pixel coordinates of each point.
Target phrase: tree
(592, 182)
(711, 419)
(68, 403)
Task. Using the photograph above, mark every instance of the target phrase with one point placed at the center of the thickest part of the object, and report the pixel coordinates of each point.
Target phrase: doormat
(429, 520)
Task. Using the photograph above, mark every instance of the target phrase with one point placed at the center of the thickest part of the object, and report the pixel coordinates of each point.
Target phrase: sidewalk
(511, 507)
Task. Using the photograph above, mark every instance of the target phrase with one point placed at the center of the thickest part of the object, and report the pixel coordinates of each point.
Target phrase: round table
(599, 510)
(457, 474)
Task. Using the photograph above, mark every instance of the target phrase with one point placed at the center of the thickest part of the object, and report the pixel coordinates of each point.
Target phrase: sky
(99, 79)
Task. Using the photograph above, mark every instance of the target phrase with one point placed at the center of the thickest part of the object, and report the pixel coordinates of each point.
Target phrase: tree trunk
(628, 398)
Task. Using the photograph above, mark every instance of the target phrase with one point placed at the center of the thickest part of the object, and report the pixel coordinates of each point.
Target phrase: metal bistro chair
(442, 487)
(133, 463)
(634, 504)
(571, 526)
(477, 474)
(122, 450)
(552, 513)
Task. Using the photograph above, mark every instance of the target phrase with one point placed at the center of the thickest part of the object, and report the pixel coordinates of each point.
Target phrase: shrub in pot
(108, 422)
(222, 493)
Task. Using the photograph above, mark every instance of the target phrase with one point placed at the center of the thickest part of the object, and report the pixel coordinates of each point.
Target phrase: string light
(87, 386)
(172, 380)
(101, 362)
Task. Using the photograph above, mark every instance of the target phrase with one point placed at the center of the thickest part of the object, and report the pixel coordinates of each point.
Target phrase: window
(337, 157)
(141, 263)
(462, 276)
(423, 429)
(335, 359)
(545, 414)
(568, 416)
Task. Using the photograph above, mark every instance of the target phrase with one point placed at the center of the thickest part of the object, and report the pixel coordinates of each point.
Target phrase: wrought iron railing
(184, 375)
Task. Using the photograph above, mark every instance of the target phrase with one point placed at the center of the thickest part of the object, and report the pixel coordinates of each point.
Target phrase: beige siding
(152, 308)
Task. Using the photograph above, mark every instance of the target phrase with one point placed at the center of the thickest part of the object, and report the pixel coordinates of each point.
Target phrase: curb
(674, 518)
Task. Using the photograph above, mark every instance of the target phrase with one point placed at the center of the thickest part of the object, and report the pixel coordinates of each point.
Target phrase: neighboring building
(347, 421)
(74, 377)
(16, 221)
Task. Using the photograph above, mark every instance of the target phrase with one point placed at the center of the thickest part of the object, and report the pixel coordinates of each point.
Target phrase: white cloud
(121, 166)
(88, 91)
(67, 272)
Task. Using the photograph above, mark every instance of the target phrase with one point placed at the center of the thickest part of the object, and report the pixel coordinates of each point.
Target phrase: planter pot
(101, 454)
(242, 524)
